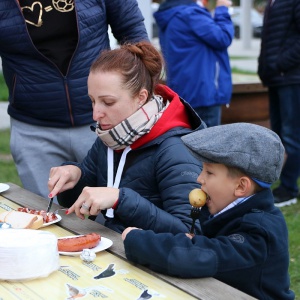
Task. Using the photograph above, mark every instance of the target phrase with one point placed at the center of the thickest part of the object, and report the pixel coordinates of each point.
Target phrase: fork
(195, 213)
(56, 211)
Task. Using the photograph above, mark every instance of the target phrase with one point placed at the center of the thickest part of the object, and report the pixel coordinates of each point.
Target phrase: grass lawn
(292, 214)
(292, 217)
(3, 89)
(8, 171)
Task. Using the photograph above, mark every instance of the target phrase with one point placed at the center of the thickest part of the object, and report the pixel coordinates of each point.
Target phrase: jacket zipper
(68, 98)
(65, 77)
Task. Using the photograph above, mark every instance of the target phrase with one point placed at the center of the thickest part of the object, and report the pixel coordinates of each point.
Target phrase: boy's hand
(128, 229)
(189, 235)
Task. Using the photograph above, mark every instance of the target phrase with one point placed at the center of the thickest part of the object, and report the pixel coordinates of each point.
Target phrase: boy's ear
(243, 187)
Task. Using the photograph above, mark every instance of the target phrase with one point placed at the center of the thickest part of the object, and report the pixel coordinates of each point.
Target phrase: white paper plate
(104, 244)
(3, 187)
(53, 222)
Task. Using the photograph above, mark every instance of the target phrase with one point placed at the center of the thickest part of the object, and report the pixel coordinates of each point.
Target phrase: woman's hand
(62, 178)
(128, 229)
(94, 199)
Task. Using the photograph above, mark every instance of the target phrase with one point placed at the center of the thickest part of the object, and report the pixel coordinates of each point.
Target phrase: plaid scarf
(135, 126)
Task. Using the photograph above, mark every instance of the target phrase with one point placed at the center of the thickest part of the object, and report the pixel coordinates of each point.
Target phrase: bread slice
(19, 220)
(38, 223)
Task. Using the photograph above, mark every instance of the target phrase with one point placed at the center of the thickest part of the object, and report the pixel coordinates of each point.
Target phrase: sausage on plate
(78, 243)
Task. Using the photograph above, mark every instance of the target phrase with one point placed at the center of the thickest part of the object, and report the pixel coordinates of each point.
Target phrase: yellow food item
(197, 197)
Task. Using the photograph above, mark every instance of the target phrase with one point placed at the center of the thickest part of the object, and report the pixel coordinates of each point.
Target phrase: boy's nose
(200, 180)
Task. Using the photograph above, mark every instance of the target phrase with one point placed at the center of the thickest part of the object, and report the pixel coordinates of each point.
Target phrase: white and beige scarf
(138, 124)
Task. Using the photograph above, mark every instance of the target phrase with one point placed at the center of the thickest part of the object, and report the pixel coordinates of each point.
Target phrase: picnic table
(124, 279)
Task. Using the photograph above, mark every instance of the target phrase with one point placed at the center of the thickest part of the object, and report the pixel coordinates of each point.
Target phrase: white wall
(145, 7)
(246, 27)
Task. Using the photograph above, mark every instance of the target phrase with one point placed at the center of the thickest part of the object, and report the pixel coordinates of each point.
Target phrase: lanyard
(110, 172)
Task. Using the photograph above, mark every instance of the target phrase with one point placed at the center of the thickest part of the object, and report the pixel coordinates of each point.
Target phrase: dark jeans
(285, 121)
(211, 115)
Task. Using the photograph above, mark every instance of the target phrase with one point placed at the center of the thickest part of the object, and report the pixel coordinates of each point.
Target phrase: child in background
(245, 238)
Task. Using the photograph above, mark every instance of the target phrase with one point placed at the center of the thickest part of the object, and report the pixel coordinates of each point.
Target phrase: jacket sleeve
(289, 57)
(177, 255)
(216, 32)
(92, 162)
(176, 172)
(88, 175)
(126, 20)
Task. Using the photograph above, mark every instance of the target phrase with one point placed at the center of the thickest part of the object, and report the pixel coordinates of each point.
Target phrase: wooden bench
(249, 103)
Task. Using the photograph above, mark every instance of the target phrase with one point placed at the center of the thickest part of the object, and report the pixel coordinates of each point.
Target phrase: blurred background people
(46, 51)
(194, 45)
(279, 70)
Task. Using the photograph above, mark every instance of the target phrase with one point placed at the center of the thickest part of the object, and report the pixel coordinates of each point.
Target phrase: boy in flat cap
(245, 237)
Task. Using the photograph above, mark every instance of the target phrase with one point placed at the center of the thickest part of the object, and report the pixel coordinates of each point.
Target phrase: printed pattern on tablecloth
(107, 277)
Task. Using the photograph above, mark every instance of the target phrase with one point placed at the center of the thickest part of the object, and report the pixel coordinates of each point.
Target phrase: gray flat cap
(254, 149)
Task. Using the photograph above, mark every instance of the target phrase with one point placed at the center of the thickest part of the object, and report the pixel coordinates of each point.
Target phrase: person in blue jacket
(194, 45)
(138, 172)
(245, 237)
(47, 48)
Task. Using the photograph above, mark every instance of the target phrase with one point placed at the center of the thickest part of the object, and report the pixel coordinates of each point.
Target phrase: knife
(49, 205)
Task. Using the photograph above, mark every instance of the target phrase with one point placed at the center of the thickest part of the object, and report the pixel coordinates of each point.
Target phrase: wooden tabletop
(202, 288)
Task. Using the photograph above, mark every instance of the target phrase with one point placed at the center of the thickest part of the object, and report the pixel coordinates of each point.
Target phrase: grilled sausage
(78, 243)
